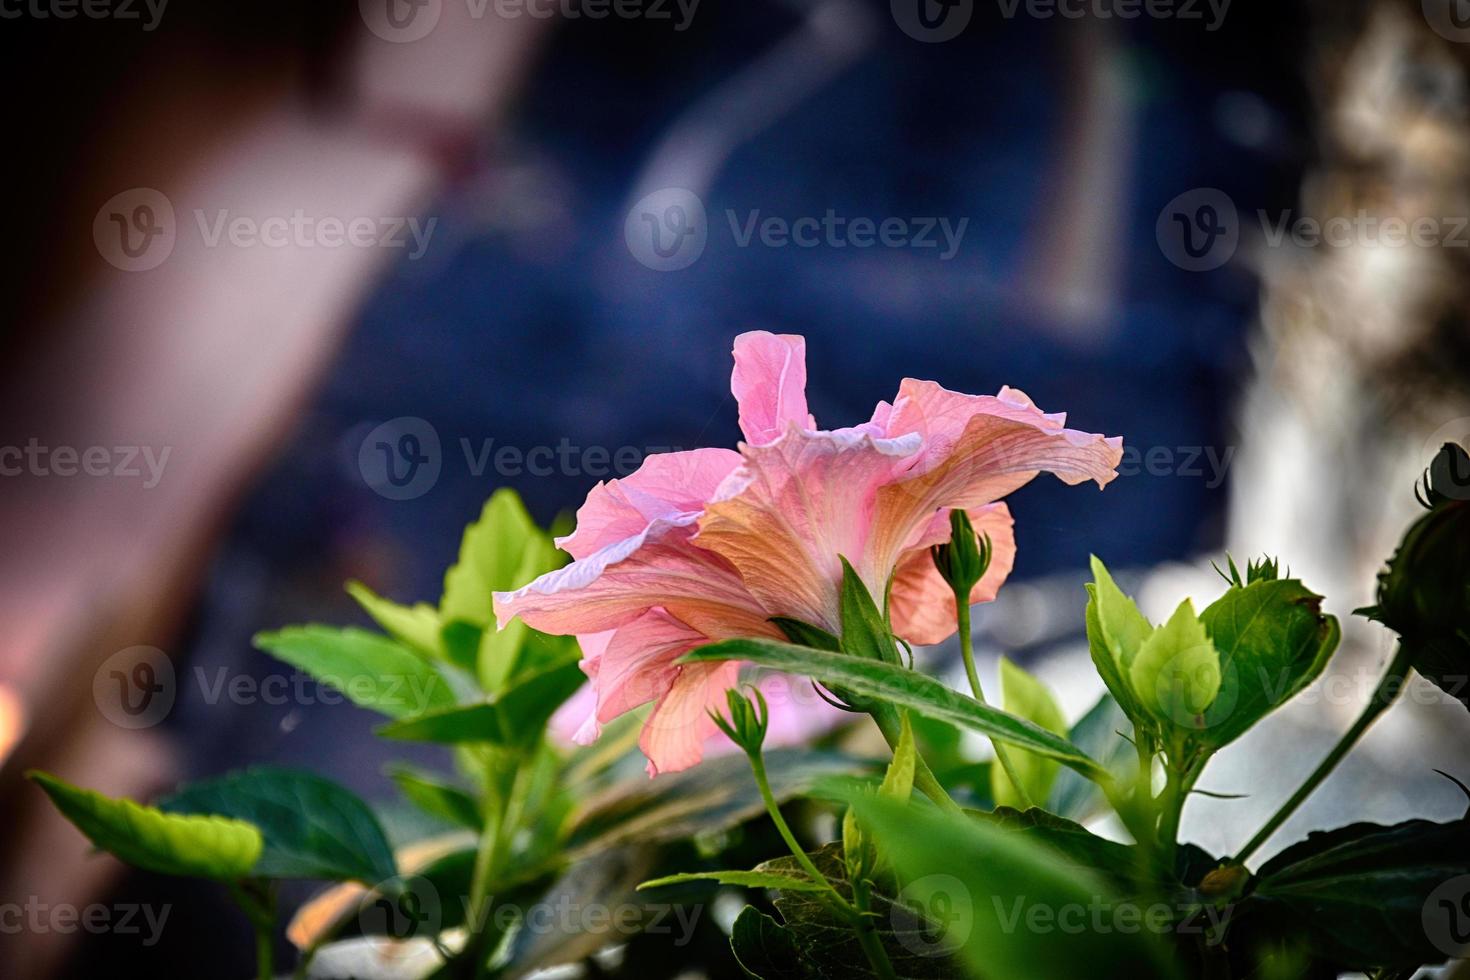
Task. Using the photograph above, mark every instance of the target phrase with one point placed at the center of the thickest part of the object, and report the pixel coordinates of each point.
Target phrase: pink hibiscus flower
(709, 544)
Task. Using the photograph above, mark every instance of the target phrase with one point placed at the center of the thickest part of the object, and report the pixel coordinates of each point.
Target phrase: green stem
(925, 781)
(1176, 793)
(967, 651)
(258, 899)
(1383, 698)
(868, 936)
(861, 924)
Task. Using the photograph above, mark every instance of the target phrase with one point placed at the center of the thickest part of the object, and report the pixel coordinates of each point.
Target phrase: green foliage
(986, 884)
(824, 943)
(516, 717)
(765, 949)
(1367, 896)
(788, 881)
(310, 827)
(904, 688)
(192, 846)
(1273, 641)
(1175, 673)
(438, 797)
(1026, 697)
(1115, 631)
(865, 633)
(1424, 593)
(370, 670)
(416, 625)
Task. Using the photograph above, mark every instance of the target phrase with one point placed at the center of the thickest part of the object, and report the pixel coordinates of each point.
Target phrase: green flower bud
(748, 720)
(1424, 593)
(964, 560)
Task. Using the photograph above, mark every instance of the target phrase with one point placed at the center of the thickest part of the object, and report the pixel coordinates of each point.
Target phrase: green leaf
(1273, 641)
(438, 797)
(1098, 734)
(197, 847)
(827, 944)
(1121, 627)
(1026, 697)
(905, 688)
(898, 782)
(1015, 907)
(1372, 896)
(312, 827)
(714, 796)
(765, 949)
(864, 631)
(744, 879)
(502, 550)
(370, 670)
(416, 625)
(807, 635)
(1115, 631)
(1176, 672)
(516, 717)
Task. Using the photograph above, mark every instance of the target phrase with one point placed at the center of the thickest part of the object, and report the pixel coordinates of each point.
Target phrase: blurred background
(255, 242)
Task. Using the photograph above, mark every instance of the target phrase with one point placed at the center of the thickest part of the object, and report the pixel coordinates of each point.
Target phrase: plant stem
(258, 899)
(967, 651)
(868, 936)
(1388, 690)
(862, 926)
(924, 778)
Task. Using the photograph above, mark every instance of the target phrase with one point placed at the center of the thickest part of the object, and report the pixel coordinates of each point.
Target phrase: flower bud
(1424, 594)
(964, 560)
(748, 720)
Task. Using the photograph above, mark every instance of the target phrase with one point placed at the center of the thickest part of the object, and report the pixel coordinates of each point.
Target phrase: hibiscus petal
(922, 603)
(674, 735)
(769, 384)
(796, 505)
(665, 486)
(615, 585)
(1003, 444)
